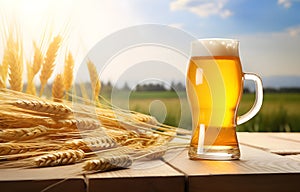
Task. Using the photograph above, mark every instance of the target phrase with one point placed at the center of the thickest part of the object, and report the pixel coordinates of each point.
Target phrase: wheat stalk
(68, 72)
(5, 63)
(28, 123)
(15, 60)
(79, 123)
(20, 118)
(145, 118)
(91, 143)
(49, 62)
(108, 163)
(2, 84)
(121, 136)
(42, 106)
(22, 134)
(76, 144)
(30, 84)
(33, 69)
(59, 158)
(16, 148)
(95, 82)
(58, 88)
(37, 60)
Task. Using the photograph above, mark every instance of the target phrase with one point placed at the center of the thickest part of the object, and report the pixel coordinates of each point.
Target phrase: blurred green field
(280, 111)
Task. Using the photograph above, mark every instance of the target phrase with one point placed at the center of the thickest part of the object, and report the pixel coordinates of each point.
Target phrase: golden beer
(214, 88)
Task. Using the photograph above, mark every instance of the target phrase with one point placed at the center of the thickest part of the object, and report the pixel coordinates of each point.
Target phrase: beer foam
(215, 47)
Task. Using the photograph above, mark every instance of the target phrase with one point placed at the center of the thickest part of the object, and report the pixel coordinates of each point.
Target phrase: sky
(269, 31)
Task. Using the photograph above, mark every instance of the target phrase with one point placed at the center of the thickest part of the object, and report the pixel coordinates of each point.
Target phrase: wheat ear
(22, 134)
(16, 148)
(5, 63)
(30, 85)
(33, 69)
(15, 60)
(68, 72)
(37, 59)
(2, 85)
(108, 163)
(58, 88)
(43, 106)
(49, 62)
(59, 158)
(78, 123)
(95, 82)
(91, 143)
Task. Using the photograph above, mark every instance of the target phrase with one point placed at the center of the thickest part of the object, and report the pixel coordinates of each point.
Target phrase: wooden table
(269, 162)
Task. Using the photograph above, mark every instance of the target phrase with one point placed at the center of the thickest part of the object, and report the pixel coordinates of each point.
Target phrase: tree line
(178, 86)
(107, 87)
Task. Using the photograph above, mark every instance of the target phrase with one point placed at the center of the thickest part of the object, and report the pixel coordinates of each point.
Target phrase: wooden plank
(269, 142)
(245, 183)
(294, 157)
(257, 170)
(287, 136)
(147, 177)
(35, 180)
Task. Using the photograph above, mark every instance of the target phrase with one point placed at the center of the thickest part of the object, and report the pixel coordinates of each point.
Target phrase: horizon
(269, 47)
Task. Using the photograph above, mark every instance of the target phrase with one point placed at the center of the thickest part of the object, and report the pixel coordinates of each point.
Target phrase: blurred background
(269, 34)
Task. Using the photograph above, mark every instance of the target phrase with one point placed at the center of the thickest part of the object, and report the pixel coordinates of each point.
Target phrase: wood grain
(271, 142)
(294, 157)
(256, 171)
(35, 180)
(286, 136)
(155, 176)
(259, 169)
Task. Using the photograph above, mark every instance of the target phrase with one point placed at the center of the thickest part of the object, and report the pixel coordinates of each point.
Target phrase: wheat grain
(22, 134)
(59, 158)
(96, 84)
(49, 62)
(68, 72)
(43, 106)
(108, 163)
(58, 88)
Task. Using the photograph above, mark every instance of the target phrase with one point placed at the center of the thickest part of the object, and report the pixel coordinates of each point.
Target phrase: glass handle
(258, 98)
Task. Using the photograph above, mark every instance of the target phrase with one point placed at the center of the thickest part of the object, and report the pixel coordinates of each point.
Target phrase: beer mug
(214, 87)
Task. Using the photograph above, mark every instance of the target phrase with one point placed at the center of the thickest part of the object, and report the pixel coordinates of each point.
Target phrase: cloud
(177, 25)
(271, 53)
(285, 3)
(294, 31)
(202, 8)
